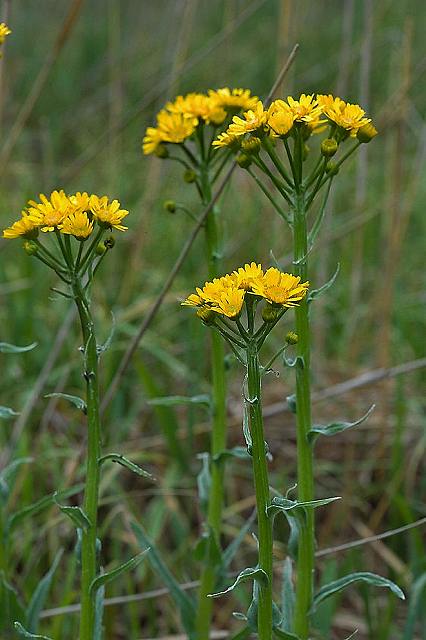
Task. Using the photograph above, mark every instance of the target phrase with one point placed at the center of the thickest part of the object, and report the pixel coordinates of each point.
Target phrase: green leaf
(286, 635)
(415, 608)
(235, 452)
(75, 400)
(369, 578)
(7, 412)
(39, 596)
(183, 602)
(99, 611)
(170, 401)
(243, 634)
(26, 634)
(76, 514)
(284, 504)
(316, 293)
(107, 577)
(204, 481)
(245, 576)
(291, 402)
(287, 595)
(337, 427)
(131, 466)
(101, 348)
(246, 427)
(5, 347)
(10, 605)
(38, 506)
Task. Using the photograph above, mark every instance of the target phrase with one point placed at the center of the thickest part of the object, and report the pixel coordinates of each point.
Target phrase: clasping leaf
(246, 575)
(337, 427)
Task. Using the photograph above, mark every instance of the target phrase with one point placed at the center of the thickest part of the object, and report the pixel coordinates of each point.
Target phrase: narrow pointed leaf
(5, 347)
(40, 594)
(38, 506)
(107, 577)
(369, 578)
(101, 348)
(235, 452)
(170, 401)
(76, 514)
(287, 595)
(251, 573)
(316, 293)
(285, 635)
(243, 634)
(125, 462)
(284, 504)
(337, 427)
(26, 634)
(99, 611)
(204, 481)
(182, 600)
(7, 412)
(75, 400)
(10, 605)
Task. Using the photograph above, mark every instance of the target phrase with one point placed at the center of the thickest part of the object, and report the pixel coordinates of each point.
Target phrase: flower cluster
(312, 112)
(226, 295)
(73, 215)
(179, 119)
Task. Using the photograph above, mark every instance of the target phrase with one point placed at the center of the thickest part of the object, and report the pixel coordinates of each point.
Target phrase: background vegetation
(80, 81)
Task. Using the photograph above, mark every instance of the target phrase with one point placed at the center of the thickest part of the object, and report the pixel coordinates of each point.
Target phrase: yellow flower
(24, 227)
(240, 99)
(347, 116)
(4, 32)
(198, 105)
(50, 212)
(77, 224)
(108, 214)
(229, 303)
(175, 127)
(225, 140)
(152, 140)
(280, 117)
(248, 275)
(80, 201)
(193, 300)
(306, 110)
(253, 120)
(280, 288)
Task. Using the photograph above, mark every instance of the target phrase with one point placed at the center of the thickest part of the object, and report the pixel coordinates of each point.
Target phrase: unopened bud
(206, 315)
(170, 206)
(332, 169)
(292, 338)
(243, 160)
(100, 248)
(270, 312)
(161, 151)
(251, 145)
(367, 132)
(189, 176)
(329, 147)
(109, 242)
(30, 248)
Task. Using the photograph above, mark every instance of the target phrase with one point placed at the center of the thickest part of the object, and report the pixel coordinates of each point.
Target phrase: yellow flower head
(222, 296)
(253, 120)
(175, 127)
(306, 110)
(77, 224)
(107, 213)
(280, 117)
(25, 227)
(49, 213)
(280, 288)
(347, 116)
(225, 140)
(234, 99)
(80, 201)
(248, 275)
(152, 140)
(229, 303)
(200, 106)
(4, 32)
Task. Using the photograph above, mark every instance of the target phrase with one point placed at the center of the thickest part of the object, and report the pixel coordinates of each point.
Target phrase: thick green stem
(218, 433)
(305, 483)
(90, 504)
(261, 483)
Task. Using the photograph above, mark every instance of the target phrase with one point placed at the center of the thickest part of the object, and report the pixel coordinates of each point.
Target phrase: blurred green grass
(120, 64)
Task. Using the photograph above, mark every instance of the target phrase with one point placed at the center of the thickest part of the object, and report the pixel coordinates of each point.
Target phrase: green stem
(305, 483)
(261, 484)
(91, 492)
(218, 433)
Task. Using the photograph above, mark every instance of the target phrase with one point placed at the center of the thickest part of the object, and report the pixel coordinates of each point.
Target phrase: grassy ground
(76, 95)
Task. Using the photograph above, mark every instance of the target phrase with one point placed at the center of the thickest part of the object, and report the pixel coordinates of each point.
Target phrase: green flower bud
(270, 312)
(109, 242)
(30, 248)
(100, 248)
(329, 147)
(243, 160)
(189, 176)
(170, 206)
(332, 169)
(206, 315)
(251, 145)
(161, 151)
(367, 132)
(292, 338)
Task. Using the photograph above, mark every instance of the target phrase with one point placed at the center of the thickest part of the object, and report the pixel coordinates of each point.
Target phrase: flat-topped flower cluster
(226, 295)
(179, 119)
(74, 215)
(315, 112)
